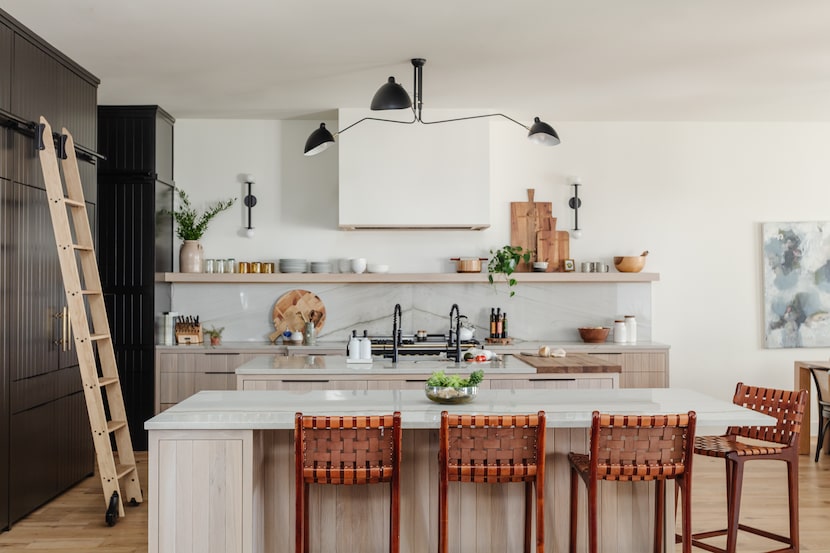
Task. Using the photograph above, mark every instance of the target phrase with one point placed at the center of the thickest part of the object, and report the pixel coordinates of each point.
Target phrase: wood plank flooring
(75, 520)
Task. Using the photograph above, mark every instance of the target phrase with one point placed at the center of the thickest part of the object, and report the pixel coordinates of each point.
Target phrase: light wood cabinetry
(641, 369)
(563, 382)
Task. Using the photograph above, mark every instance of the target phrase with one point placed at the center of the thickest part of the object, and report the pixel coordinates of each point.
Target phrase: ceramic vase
(191, 257)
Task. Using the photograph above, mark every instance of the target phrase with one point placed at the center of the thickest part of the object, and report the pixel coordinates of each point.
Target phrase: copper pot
(468, 264)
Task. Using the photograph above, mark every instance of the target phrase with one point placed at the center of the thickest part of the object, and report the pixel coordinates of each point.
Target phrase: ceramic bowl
(377, 268)
(594, 334)
(358, 264)
(441, 394)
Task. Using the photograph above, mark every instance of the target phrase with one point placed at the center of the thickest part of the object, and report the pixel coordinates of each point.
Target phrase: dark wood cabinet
(135, 198)
(44, 426)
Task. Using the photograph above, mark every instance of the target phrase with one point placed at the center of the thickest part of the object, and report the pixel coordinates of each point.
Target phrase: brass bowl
(630, 263)
(441, 394)
(594, 334)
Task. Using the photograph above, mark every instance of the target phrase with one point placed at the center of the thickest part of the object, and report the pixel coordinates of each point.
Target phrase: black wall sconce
(575, 203)
(250, 202)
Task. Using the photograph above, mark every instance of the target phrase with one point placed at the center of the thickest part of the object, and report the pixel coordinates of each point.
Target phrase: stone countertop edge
(340, 347)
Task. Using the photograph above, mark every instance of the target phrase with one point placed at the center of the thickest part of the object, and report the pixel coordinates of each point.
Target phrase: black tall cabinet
(135, 197)
(45, 440)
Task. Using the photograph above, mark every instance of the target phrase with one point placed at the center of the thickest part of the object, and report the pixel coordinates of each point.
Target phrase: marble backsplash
(538, 311)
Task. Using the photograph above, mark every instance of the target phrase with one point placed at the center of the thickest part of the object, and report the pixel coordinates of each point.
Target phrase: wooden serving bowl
(594, 334)
(630, 263)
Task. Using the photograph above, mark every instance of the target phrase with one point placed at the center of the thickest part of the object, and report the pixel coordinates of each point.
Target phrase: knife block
(189, 333)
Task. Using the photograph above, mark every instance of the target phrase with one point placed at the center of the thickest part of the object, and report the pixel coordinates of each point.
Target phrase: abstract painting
(797, 284)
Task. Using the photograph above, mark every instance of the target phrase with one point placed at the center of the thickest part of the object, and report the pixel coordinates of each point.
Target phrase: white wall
(693, 194)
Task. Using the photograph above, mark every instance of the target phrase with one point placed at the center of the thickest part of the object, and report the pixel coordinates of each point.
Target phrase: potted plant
(215, 335)
(504, 261)
(190, 226)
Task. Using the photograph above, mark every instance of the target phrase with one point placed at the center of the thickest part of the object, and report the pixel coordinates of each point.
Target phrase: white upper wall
(693, 194)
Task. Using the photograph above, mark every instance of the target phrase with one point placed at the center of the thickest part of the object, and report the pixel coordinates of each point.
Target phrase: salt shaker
(620, 336)
(631, 329)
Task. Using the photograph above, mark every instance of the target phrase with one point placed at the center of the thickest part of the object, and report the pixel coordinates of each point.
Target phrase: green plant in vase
(504, 262)
(215, 335)
(189, 224)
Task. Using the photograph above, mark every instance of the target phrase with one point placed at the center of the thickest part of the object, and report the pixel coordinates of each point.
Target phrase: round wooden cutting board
(292, 306)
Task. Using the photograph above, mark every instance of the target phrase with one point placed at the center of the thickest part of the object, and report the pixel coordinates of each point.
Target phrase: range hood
(414, 177)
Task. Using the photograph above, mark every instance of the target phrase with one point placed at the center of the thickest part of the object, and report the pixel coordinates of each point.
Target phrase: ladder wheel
(133, 503)
(112, 510)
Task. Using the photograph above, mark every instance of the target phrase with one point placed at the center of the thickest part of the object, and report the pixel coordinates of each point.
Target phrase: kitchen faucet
(454, 309)
(396, 331)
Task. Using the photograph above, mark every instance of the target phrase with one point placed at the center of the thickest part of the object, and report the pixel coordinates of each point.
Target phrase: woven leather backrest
(492, 448)
(347, 450)
(637, 447)
(784, 405)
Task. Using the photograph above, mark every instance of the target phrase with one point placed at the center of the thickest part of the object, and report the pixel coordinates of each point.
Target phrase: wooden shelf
(395, 278)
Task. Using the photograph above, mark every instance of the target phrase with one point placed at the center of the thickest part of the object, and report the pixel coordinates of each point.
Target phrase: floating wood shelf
(396, 278)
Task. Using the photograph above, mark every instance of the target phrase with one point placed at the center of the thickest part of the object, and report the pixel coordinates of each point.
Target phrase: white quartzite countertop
(337, 364)
(261, 410)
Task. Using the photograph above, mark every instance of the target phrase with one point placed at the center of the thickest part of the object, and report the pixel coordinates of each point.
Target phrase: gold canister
(267, 267)
(256, 267)
(243, 267)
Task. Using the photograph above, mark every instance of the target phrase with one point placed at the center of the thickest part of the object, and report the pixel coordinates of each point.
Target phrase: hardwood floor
(75, 520)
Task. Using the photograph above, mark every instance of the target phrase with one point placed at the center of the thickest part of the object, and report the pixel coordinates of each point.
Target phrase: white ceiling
(577, 60)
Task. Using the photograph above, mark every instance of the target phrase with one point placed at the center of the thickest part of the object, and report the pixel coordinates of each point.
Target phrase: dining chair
(821, 378)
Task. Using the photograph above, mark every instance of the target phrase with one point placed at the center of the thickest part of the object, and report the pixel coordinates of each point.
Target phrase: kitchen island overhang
(221, 471)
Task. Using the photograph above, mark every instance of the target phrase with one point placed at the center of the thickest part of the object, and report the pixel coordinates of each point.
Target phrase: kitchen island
(221, 472)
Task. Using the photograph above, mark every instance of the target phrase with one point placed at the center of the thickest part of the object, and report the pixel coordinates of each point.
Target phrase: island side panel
(200, 491)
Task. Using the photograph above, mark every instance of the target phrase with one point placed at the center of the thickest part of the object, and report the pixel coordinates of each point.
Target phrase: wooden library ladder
(82, 283)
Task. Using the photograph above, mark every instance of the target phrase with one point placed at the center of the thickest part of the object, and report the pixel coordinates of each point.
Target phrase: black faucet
(396, 331)
(457, 353)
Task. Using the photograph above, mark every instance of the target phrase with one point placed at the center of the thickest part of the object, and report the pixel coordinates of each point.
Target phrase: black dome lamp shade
(542, 133)
(391, 95)
(318, 141)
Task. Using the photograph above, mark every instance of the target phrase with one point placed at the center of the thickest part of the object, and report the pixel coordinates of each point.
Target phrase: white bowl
(377, 268)
(358, 264)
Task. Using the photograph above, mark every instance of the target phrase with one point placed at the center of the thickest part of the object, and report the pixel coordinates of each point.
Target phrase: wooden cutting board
(572, 363)
(526, 219)
(293, 308)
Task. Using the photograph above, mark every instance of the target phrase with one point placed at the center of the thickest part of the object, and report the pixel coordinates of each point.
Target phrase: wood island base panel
(221, 473)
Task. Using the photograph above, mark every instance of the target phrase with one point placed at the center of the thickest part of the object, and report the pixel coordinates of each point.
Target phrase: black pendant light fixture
(392, 95)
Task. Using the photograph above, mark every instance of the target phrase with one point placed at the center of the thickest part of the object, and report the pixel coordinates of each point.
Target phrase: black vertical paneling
(45, 439)
(6, 205)
(135, 197)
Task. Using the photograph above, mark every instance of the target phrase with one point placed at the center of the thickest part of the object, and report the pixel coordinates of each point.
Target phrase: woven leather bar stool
(820, 378)
(494, 449)
(348, 451)
(636, 448)
(782, 445)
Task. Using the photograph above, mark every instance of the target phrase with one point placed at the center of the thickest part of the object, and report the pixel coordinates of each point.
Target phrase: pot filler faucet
(396, 331)
(457, 354)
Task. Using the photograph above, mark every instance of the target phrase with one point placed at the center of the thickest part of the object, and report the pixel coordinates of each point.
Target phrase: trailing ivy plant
(190, 225)
(504, 262)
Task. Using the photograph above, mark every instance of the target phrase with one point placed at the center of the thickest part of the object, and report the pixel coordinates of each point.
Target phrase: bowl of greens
(452, 389)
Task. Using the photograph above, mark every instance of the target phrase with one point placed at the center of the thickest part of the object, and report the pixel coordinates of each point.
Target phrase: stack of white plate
(293, 265)
(321, 267)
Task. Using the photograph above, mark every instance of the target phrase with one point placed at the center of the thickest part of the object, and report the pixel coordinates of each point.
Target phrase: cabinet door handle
(552, 379)
(222, 353)
(219, 372)
(300, 380)
(414, 380)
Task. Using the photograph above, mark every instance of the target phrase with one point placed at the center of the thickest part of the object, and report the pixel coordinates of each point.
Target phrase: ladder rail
(84, 298)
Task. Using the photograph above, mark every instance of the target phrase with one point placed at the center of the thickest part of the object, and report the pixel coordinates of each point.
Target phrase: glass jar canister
(631, 329)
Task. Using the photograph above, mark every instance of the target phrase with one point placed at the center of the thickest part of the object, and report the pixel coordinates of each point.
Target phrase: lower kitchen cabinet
(563, 382)
(640, 369)
(300, 384)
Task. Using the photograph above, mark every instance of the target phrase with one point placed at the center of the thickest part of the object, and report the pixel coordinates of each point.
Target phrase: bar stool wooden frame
(494, 449)
(782, 438)
(348, 450)
(636, 448)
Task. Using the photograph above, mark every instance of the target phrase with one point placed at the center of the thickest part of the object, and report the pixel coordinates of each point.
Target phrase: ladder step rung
(112, 426)
(73, 203)
(97, 337)
(106, 381)
(91, 292)
(123, 470)
(81, 248)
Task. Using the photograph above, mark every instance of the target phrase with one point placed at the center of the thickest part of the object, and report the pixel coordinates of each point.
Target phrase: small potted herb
(504, 261)
(215, 335)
